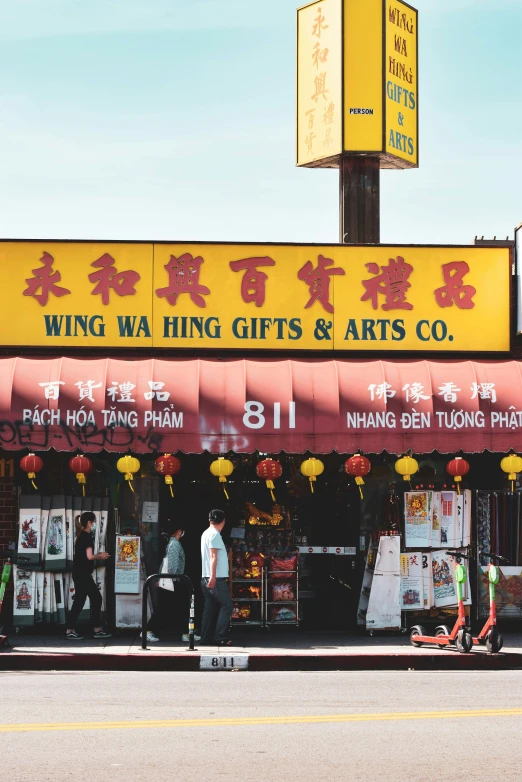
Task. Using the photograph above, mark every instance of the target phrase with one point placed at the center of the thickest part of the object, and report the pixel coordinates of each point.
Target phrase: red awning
(196, 405)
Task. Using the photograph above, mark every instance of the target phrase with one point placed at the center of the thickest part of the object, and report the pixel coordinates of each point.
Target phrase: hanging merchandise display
(31, 464)
(128, 465)
(512, 465)
(168, 466)
(358, 466)
(311, 468)
(457, 468)
(222, 468)
(81, 466)
(406, 466)
(270, 470)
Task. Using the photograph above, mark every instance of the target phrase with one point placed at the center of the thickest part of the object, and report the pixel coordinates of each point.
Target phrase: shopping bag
(166, 583)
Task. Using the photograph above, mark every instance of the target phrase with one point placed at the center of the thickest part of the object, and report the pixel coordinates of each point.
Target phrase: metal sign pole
(359, 200)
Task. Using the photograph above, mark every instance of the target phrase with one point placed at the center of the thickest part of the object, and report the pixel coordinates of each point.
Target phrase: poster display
(55, 554)
(29, 536)
(508, 593)
(412, 591)
(384, 607)
(127, 565)
(418, 518)
(24, 596)
(427, 580)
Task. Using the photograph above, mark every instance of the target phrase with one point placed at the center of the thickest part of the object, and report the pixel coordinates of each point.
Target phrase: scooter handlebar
(493, 556)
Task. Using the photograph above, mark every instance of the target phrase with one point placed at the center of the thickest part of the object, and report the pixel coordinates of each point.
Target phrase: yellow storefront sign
(244, 296)
(357, 82)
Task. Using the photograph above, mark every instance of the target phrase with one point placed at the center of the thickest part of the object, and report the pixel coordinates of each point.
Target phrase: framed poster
(418, 519)
(412, 595)
(127, 565)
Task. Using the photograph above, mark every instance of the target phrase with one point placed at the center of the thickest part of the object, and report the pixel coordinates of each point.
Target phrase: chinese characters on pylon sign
(388, 287)
(321, 116)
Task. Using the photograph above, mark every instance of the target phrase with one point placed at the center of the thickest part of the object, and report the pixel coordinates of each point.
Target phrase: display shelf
(281, 575)
(252, 601)
(247, 599)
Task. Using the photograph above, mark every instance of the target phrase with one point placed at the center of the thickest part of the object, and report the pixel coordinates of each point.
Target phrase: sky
(175, 120)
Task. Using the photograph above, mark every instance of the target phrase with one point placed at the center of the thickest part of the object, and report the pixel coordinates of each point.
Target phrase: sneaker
(73, 636)
(102, 634)
(151, 638)
(185, 638)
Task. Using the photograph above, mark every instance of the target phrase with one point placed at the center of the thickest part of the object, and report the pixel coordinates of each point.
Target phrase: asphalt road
(257, 727)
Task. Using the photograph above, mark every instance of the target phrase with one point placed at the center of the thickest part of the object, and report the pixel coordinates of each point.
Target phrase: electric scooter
(460, 635)
(489, 634)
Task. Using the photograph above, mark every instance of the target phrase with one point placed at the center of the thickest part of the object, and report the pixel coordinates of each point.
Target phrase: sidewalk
(279, 649)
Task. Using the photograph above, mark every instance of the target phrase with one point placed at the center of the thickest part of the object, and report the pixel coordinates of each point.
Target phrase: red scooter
(460, 635)
(489, 634)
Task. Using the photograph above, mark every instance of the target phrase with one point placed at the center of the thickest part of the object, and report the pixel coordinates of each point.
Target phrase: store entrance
(322, 525)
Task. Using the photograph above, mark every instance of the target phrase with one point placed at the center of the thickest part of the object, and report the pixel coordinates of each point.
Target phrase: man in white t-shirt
(218, 605)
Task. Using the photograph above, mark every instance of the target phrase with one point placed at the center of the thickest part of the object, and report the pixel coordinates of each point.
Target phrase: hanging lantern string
(128, 477)
(359, 481)
(32, 476)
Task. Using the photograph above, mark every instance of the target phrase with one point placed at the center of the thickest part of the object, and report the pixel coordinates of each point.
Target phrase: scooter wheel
(414, 632)
(442, 630)
(464, 641)
(494, 641)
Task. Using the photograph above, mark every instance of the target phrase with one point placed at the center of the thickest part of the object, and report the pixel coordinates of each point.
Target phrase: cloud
(44, 18)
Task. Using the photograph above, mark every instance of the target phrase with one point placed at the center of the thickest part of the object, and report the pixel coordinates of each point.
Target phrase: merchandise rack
(293, 575)
(253, 601)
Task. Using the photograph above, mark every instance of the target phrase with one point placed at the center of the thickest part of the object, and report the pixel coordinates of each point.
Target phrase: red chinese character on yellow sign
(107, 278)
(45, 279)
(253, 282)
(319, 23)
(392, 283)
(184, 278)
(318, 281)
(454, 291)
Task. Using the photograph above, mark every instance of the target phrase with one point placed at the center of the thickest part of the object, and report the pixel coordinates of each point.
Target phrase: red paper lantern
(457, 468)
(358, 466)
(81, 465)
(270, 470)
(31, 464)
(168, 466)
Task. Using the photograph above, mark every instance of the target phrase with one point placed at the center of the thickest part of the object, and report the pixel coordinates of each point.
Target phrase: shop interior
(330, 518)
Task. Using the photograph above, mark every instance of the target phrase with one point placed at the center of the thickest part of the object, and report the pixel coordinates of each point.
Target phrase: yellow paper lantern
(222, 468)
(511, 464)
(406, 466)
(128, 465)
(311, 468)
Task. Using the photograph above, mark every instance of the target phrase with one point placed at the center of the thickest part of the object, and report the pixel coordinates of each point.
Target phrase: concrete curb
(16, 661)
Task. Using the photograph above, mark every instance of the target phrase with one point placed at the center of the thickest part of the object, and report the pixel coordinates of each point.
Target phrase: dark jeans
(84, 587)
(217, 611)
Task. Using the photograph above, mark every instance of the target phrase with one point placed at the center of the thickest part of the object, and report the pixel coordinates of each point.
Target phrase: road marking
(297, 720)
